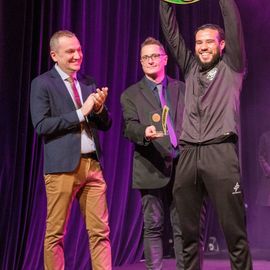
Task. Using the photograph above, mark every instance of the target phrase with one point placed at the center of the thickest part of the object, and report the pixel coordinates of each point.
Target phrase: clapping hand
(99, 98)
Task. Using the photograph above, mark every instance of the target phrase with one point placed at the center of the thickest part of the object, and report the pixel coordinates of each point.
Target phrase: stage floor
(218, 261)
(209, 264)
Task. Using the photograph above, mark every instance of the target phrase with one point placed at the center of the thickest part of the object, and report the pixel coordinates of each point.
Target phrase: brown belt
(92, 155)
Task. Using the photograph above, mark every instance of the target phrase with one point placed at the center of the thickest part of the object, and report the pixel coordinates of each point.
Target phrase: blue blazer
(54, 118)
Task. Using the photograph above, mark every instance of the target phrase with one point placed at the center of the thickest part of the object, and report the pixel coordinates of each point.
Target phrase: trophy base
(159, 134)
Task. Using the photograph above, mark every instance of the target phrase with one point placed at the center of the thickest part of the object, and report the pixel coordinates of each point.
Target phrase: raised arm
(173, 37)
(235, 54)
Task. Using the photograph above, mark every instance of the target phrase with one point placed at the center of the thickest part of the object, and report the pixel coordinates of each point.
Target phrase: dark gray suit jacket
(54, 117)
(152, 161)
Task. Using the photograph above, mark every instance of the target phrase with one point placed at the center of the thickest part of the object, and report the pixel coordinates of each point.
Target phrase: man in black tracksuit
(208, 164)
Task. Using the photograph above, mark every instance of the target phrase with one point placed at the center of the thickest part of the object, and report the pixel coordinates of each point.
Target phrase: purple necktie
(78, 102)
(75, 92)
(161, 93)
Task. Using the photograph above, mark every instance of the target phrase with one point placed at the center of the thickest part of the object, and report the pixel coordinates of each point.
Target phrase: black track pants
(214, 170)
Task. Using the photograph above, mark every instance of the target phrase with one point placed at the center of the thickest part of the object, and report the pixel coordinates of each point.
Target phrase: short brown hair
(55, 37)
(153, 41)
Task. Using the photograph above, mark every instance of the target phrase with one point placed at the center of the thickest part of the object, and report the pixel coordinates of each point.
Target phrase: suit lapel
(87, 85)
(172, 95)
(61, 87)
(148, 94)
(84, 90)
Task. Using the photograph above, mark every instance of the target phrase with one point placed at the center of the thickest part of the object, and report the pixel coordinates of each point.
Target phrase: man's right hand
(151, 133)
(88, 105)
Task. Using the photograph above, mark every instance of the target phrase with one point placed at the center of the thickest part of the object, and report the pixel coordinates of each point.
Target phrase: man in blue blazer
(67, 110)
(155, 155)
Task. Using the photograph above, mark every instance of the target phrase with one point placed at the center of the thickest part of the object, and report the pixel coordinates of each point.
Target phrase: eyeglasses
(153, 57)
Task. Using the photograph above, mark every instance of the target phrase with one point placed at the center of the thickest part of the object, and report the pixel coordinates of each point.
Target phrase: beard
(208, 65)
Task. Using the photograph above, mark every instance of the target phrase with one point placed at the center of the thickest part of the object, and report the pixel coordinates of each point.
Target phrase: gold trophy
(164, 118)
(181, 2)
(159, 120)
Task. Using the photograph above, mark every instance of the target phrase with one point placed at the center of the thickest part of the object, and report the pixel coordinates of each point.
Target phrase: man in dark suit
(155, 154)
(67, 112)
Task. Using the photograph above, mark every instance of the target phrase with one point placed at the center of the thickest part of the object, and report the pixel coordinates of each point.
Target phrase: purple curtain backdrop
(110, 33)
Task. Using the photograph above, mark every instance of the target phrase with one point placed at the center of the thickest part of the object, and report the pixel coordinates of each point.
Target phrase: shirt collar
(62, 74)
(152, 85)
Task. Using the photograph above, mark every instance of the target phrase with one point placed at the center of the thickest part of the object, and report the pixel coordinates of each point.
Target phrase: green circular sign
(181, 2)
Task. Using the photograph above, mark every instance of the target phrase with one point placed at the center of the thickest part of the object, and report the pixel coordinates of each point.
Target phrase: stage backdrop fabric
(110, 33)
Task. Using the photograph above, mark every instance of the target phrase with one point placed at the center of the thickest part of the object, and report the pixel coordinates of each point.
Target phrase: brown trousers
(86, 184)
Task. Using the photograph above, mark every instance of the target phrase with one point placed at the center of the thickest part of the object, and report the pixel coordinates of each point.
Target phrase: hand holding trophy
(181, 2)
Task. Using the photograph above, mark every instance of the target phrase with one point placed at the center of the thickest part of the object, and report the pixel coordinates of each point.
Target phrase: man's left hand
(100, 98)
